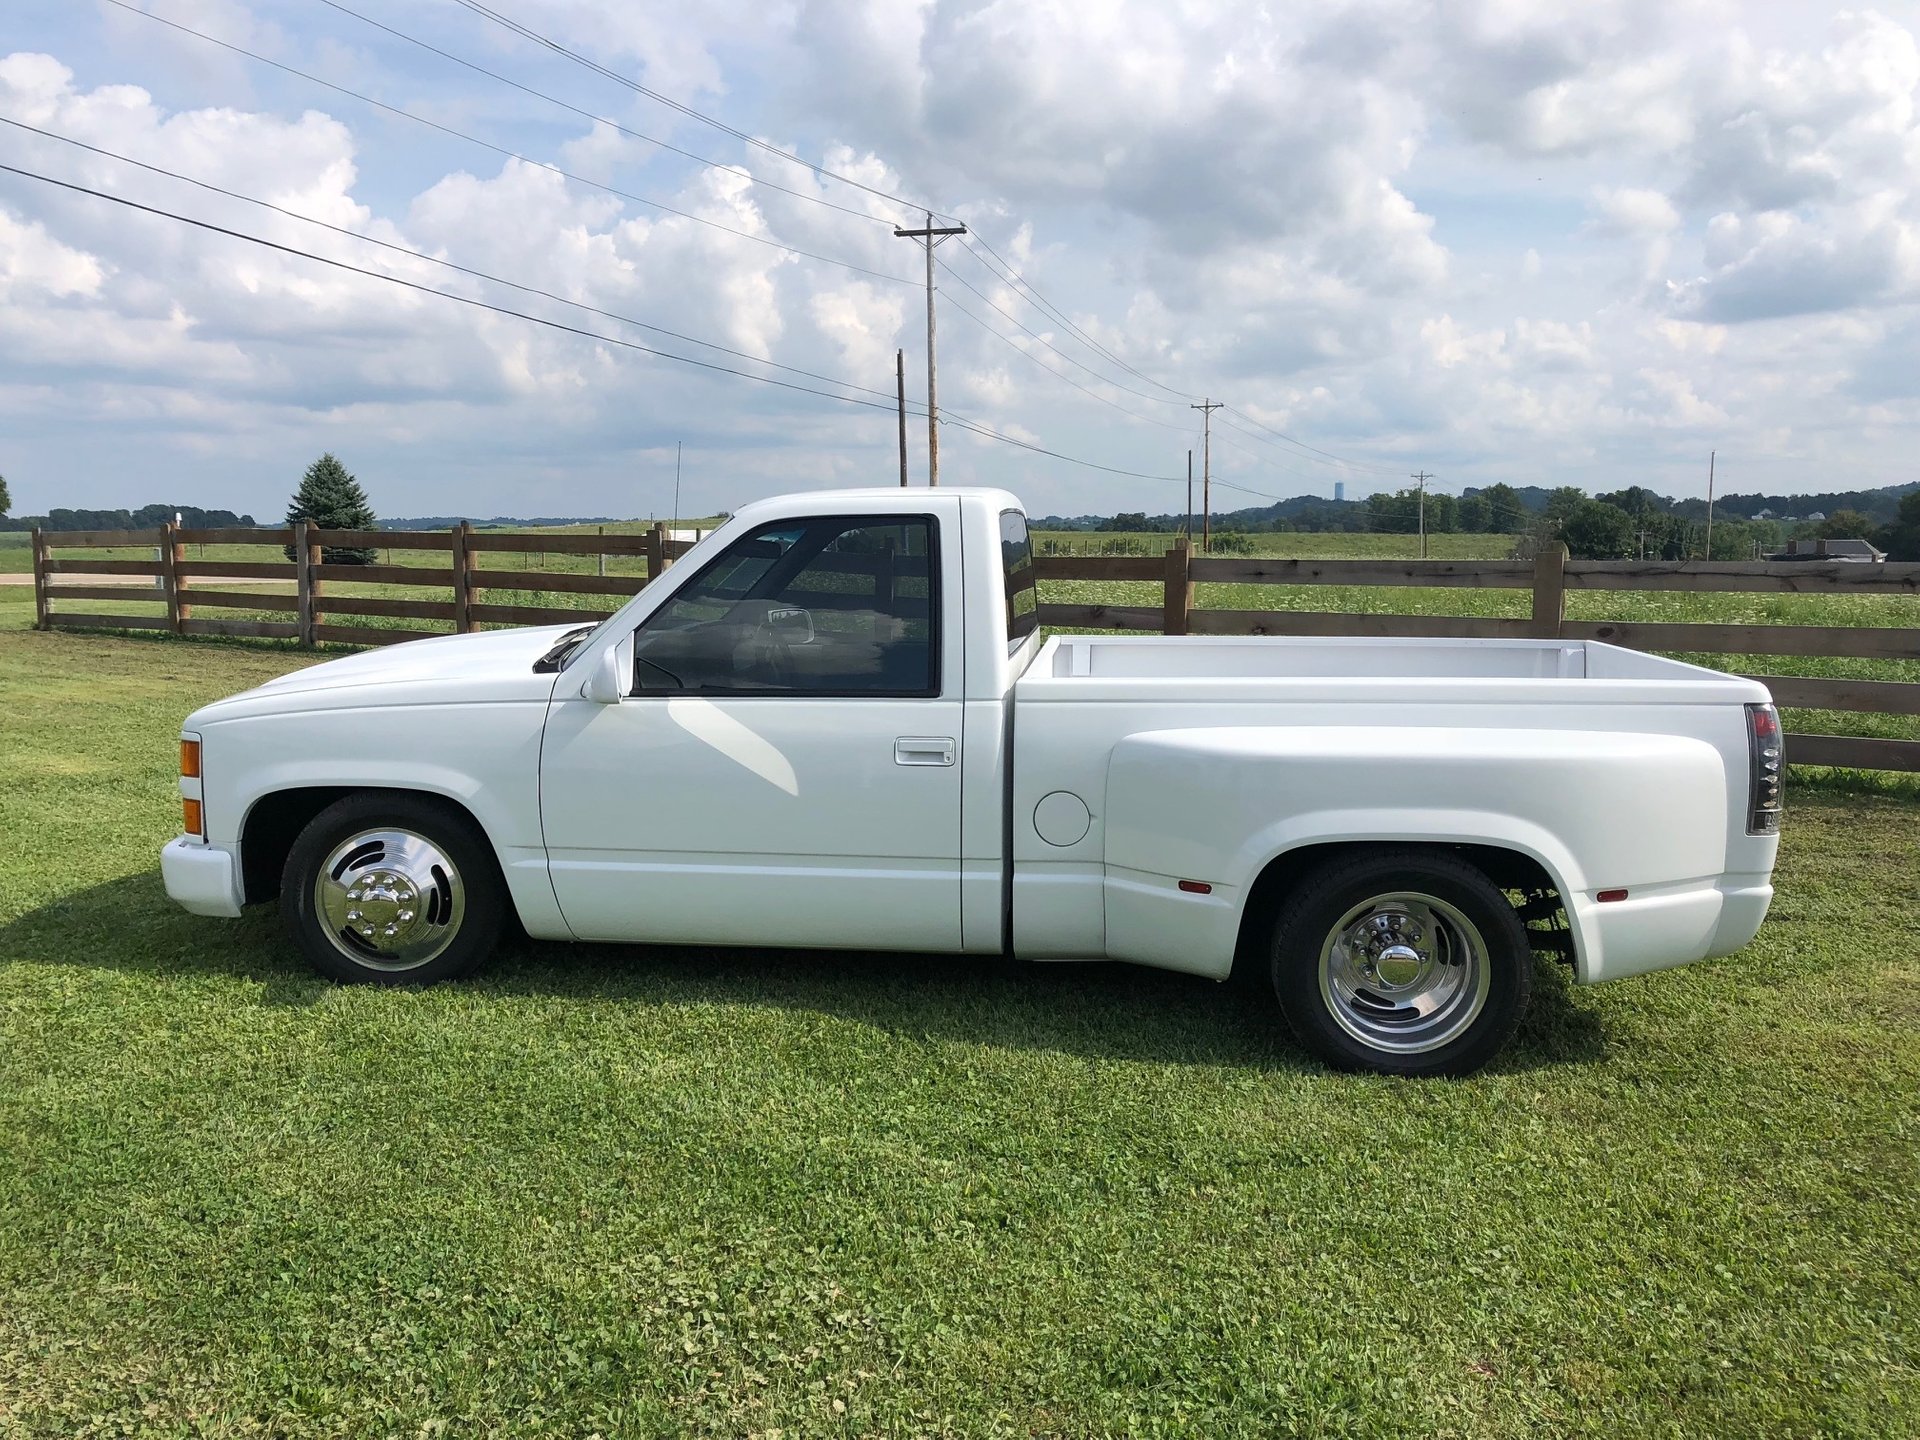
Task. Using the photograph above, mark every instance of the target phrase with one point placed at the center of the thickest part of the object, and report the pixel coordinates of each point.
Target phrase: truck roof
(876, 497)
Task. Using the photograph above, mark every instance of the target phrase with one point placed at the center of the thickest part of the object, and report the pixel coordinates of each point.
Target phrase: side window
(834, 606)
(1023, 596)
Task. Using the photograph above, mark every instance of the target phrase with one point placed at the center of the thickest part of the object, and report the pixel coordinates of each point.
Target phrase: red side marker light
(1196, 887)
(1609, 895)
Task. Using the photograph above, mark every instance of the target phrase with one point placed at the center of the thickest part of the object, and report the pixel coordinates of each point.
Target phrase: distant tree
(1564, 501)
(332, 499)
(1637, 501)
(1131, 521)
(1596, 530)
(1901, 539)
(1394, 512)
(1507, 513)
(6, 500)
(1476, 515)
(1842, 525)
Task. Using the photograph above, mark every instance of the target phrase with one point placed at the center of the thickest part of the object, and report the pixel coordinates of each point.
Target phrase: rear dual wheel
(392, 889)
(1402, 962)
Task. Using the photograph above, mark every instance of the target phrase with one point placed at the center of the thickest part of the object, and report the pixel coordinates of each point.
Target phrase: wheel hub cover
(384, 908)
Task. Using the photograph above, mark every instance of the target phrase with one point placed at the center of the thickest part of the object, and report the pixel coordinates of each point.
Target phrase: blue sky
(1497, 240)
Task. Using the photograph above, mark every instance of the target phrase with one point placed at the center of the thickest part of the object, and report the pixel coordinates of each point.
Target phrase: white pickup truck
(834, 723)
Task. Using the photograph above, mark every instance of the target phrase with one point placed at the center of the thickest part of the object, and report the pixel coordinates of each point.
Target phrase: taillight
(1766, 756)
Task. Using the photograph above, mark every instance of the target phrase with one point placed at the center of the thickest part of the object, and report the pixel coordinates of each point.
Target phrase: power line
(1064, 379)
(1315, 450)
(1004, 270)
(820, 170)
(436, 260)
(966, 424)
(502, 150)
(949, 418)
(1046, 342)
(528, 33)
(1264, 457)
(598, 119)
(430, 290)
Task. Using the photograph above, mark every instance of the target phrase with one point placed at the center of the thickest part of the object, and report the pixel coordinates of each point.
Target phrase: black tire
(451, 874)
(1392, 894)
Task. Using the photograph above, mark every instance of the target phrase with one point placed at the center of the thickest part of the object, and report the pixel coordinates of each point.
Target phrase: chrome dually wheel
(1404, 972)
(1402, 960)
(390, 898)
(393, 888)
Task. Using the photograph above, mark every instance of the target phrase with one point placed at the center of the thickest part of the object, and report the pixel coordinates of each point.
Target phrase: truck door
(785, 769)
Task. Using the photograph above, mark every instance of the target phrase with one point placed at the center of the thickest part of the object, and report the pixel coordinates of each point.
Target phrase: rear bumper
(200, 878)
(1669, 927)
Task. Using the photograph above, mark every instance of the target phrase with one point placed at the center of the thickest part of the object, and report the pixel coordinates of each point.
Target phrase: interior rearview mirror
(792, 622)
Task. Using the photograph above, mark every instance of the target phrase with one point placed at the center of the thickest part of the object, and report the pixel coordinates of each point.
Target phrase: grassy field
(664, 1192)
(1303, 546)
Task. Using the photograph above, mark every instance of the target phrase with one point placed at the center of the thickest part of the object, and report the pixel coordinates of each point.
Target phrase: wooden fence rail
(311, 610)
(1548, 577)
(312, 607)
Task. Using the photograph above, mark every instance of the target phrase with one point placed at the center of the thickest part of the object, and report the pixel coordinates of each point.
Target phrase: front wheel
(393, 889)
(1402, 962)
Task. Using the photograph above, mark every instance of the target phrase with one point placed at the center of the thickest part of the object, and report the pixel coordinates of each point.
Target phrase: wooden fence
(1549, 578)
(183, 585)
(313, 611)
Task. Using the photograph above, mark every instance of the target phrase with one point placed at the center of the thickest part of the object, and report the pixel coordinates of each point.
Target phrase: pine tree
(330, 498)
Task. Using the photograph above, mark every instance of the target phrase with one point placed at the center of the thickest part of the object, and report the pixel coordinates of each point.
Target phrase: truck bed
(1371, 663)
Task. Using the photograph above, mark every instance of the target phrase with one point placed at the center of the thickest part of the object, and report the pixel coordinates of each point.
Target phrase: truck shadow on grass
(1098, 1010)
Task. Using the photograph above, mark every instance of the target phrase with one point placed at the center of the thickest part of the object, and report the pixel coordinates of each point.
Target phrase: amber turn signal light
(190, 759)
(191, 818)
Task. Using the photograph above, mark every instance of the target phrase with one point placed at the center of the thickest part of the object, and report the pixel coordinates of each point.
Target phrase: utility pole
(900, 394)
(1709, 554)
(1189, 495)
(676, 484)
(930, 235)
(1422, 477)
(1206, 469)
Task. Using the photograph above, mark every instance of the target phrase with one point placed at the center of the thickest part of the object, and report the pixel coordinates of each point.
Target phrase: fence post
(173, 555)
(1549, 590)
(462, 578)
(602, 556)
(40, 606)
(657, 557)
(303, 584)
(1177, 602)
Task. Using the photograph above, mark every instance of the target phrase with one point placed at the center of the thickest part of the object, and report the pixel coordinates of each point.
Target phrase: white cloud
(1625, 210)
(1490, 239)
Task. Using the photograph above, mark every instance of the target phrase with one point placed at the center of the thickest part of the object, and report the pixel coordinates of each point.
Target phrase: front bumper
(201, 878)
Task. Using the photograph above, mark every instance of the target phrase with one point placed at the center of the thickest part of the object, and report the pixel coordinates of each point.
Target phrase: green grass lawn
(626, 1191)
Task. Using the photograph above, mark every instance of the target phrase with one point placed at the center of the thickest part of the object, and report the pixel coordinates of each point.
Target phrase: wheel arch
(1506, 865)
(275, 819)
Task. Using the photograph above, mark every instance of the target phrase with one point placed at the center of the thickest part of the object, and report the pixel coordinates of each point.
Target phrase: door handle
(923, 750)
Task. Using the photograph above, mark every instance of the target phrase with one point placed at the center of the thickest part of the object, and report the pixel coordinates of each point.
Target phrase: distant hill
(1316, 512)
(498, 522)
(145, 518)
(1881, 504)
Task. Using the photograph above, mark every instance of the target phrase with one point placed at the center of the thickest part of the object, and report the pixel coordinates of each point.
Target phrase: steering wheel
(772, 657)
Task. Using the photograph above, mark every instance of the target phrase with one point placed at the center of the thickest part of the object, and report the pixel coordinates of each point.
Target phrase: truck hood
(495, 664)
